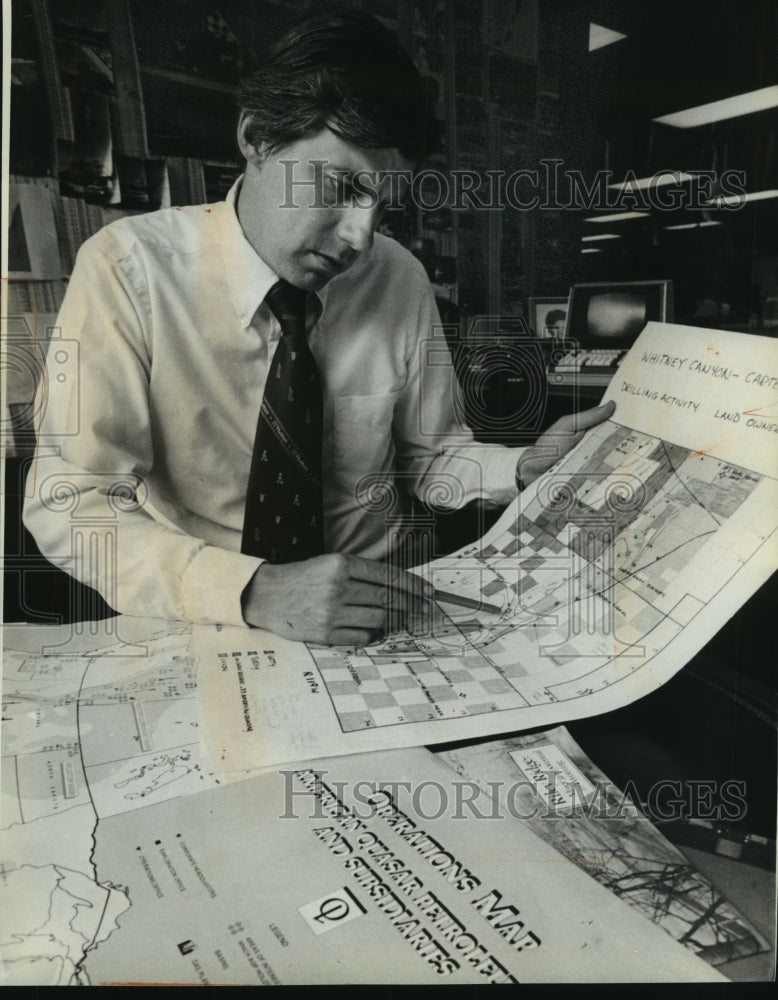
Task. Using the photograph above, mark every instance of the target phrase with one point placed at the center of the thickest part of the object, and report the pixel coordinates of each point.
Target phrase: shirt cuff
(500, 467)
(213, 584)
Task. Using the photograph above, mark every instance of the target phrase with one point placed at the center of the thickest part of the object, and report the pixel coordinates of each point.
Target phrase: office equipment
(603, 321)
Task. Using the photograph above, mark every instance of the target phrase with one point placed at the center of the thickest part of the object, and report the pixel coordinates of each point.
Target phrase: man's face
(312, 207)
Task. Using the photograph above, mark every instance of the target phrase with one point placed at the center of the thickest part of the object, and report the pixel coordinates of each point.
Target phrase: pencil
(466, 602)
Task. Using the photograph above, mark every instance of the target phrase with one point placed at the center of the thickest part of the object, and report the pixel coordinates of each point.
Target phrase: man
(177, 336)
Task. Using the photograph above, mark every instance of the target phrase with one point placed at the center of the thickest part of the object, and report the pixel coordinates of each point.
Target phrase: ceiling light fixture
(718, 111)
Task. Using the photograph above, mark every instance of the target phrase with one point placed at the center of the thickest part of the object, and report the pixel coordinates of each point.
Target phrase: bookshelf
(138, 98)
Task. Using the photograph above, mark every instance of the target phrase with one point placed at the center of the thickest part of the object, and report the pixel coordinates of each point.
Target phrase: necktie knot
(288, 305)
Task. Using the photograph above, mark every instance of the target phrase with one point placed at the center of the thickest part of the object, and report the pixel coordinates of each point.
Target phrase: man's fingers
(357, 616)
(383, 597)
(389, 577)
(590, 418)
(334, 599)
(359, 594)
(363, 594)
(402, 583)
(354, 637)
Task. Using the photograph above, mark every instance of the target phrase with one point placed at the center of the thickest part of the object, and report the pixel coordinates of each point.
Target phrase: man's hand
(560, 437)
(335, 599)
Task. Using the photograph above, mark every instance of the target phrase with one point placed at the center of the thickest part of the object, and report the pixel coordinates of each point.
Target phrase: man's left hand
(560, 437)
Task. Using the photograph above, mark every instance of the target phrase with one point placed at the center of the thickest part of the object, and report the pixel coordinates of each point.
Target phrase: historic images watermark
(546, 794)
(33, 360)
(550, 185)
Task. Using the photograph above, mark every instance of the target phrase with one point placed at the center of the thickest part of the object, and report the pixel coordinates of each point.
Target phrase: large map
(117, 865)
(602, 570)
(595, 586)
(117, 753)
(84, 737)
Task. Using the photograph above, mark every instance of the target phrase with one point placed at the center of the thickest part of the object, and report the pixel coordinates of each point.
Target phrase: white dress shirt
(173, 345)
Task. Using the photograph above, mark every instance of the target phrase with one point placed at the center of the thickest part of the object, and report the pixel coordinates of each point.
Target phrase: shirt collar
(249, 278)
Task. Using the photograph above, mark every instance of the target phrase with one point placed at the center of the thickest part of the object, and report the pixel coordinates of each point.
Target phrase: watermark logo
(548, 186)
(551, 787)
(31, 364)
(494, 378)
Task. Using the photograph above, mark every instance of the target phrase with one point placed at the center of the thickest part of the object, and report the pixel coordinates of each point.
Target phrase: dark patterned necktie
(283, 520)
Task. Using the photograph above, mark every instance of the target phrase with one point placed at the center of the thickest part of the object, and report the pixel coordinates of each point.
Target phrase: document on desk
(99, 719)
(599, 583)
(121, 859)
(545, 781)
(353, 870)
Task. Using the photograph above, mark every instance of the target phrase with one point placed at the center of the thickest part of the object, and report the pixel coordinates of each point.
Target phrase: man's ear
(254, 155)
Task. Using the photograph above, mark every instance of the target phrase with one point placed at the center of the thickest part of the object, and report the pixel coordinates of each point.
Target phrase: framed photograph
(548, 317)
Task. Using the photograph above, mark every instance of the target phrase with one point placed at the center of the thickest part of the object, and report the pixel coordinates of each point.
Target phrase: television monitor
(610, 315)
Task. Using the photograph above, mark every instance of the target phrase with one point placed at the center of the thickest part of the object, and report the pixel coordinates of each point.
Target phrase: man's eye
(341, 187)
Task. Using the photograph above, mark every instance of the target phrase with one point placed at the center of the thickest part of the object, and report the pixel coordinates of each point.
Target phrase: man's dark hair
(344, 70)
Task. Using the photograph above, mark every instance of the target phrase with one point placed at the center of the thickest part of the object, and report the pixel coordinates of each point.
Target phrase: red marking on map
(763, 411)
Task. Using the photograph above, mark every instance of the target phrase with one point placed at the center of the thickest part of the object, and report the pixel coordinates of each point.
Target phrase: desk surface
(80, 691)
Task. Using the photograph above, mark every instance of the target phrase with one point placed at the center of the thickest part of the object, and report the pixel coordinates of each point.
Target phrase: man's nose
(357, 226)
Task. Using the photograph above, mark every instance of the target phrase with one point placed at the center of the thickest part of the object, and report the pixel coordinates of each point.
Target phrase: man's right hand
(336, 600)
